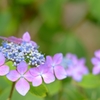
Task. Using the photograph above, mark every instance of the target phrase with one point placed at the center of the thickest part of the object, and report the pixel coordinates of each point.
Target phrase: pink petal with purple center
(26, 37)
(4, 70)
(13, 75)
(37, 81)
(22, 67)
(60, 72)
(22, 86)
(2, 59)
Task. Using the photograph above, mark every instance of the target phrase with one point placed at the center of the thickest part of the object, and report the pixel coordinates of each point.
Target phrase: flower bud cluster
(22, 52)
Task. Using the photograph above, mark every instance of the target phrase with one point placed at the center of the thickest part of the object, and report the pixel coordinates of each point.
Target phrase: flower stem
(11, 92)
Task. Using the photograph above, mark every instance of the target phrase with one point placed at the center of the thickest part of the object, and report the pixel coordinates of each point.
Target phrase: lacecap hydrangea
(29, 64)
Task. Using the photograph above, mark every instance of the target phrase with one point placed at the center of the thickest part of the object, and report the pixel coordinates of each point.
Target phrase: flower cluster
(75, 67)
(30, 65)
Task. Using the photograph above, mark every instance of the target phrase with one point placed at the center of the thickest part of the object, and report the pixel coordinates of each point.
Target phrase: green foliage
(90, 81)
(95, 9)
(40, 91)
(54, 87)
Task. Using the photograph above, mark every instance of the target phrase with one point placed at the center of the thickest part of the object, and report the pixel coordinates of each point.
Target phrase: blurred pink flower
(96, 62)
(21, 76)
(75, 67)
(4, 69)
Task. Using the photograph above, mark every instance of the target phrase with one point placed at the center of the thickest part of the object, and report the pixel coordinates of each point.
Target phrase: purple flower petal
(48, 77)
(28, 76)
(49, 60)
(4, 70)
(77, 77)
(26, 37)
(33, 43)
(22, 67)
(96, 70)
(97, 54)
(22, 86)
(37, 81)
(95, 61)
(14, 39)
(2, 59)
(69, 71)
(58, 58)
(34, 71)
(72, 57)
(13, 75)
(82, 61)
(60, 72)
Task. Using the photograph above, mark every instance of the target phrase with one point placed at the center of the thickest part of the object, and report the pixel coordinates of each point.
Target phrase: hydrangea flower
(54, 64)
(26, 37)
(25, 51)
(75, 67)
(21, 76)
(4, 69)
(40, 72)
(96, 62)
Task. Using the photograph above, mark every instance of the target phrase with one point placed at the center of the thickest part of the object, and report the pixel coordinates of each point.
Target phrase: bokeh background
(57, 26)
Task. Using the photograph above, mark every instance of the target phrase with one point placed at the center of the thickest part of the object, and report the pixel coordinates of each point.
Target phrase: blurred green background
(57, 26)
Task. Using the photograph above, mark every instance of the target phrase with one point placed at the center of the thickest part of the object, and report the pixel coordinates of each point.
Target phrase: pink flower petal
(33, 43)
(96, 70)
(48, 77)
(82, 61)
(77, 77)
(95, 61)
(28, 76)
(60, 72)
(97, 53)
(49, 60)
(14, 39)
(22, 67)
(2, 59)
(26, 37)
(69, 71)
(34, 71)
(22, 86)
(58, 58)
(4, 70)
(37, 81)
(13, 75)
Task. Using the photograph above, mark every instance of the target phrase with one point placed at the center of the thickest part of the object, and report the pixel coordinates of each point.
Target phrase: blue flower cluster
(22, 52)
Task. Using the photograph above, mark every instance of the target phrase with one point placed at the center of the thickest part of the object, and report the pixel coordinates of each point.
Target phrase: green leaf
(71, 92)
(53, 88)
(40, 91)
(90, 81)
(11, 65)
(94, 6)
